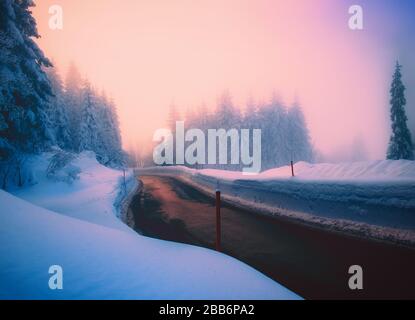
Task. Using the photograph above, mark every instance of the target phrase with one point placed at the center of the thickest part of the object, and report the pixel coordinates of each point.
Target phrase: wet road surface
(312, 262)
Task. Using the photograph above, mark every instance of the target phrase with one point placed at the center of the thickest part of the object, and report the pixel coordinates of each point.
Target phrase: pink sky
(147, 54)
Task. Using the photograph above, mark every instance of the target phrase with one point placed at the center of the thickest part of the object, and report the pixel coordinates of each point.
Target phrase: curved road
(312, 262)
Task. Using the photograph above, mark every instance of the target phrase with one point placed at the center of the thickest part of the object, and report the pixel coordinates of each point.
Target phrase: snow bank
(101, 257)
(93, 196)
(386, 171)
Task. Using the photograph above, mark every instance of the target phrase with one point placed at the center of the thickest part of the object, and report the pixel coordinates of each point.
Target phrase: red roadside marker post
(292, 168)
(218, 224)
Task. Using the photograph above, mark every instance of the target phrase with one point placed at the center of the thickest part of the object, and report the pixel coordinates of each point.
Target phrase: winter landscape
(148, 153)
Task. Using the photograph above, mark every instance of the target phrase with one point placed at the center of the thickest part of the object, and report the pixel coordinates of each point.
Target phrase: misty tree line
(285, 136)
(36, 110)
(82, 119)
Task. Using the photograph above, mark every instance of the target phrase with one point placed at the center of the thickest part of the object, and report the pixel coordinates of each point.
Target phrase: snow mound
(382, 170)
(370, 171)
(101, 257)
(90, 196)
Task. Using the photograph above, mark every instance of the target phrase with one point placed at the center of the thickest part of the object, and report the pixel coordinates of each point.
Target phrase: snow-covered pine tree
(273, 122)
(250, 119)
(116, 132)
(227, 116)
(102, 146)
(88, 125)
(58, 112)
(300, 147)
(72, 101)
(250, 113)
(24, 87)
(400, 144)
(201, 117)
(110, 140)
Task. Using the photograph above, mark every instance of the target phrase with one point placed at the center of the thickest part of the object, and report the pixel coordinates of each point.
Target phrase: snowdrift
(380, 171)
(101, 257)
(387, 171)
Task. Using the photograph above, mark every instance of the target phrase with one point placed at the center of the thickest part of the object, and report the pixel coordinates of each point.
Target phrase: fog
(149, 54)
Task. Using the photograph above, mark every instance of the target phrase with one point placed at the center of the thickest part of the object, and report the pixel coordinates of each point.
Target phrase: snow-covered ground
(69, 219)
(379, 171)
(387, 171)
(373, 198)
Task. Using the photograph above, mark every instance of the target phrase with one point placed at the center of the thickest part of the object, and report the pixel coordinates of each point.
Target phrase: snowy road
(312, 262)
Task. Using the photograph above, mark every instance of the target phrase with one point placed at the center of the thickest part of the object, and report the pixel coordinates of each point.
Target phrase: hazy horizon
(149, 54)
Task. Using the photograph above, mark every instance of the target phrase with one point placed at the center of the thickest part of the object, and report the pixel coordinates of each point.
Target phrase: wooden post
(218, 220)
(292, 168)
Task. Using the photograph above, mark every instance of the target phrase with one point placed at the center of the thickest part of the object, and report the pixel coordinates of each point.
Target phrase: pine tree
(250, 113)
(400, 144)
(58, 113)
(24, 87)
(72, 101)
(227, 116)
(276, 151)
(300, 147)
(120, 156)
(88, 128)
(115, 153)
(107, 140)
(201, 117)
